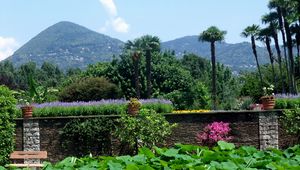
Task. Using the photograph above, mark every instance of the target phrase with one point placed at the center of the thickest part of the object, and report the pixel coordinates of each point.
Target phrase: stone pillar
(31, 137)
(268, 130)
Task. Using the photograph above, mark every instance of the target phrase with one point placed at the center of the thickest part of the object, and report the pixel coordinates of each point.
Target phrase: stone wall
(268, 130)
(256, 128)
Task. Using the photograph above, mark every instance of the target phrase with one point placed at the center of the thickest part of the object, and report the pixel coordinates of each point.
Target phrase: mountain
(237, 56)
(68, 45)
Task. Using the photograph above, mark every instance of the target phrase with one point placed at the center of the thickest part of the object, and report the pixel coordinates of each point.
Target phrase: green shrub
(90, 89)
(286, 103)
(83, 137)
(147, 129)
(280, 103)
(158, 107)
(7, 124)
(291, 121)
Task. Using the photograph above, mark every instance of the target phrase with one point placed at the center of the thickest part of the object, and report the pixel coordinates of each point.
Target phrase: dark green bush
(291, 121)
(89, 136)
(285, 103)
(280, 103)
(90, 89)
(7, 124)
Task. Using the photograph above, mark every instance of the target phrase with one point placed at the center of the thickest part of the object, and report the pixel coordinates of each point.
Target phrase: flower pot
(27, 111)
(268, 102)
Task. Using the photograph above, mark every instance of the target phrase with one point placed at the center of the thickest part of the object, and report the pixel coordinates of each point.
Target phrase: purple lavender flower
(287, 96)
(101, 102)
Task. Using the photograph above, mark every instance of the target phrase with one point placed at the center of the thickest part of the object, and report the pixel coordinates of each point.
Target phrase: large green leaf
(132, 167)
(171, 152)
(114, 166)
(147, 152)
(225, 146)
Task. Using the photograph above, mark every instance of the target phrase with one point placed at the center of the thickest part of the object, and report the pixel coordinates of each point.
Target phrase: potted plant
(26, 104)
(133, 106)
(28, 97)
(268, 100)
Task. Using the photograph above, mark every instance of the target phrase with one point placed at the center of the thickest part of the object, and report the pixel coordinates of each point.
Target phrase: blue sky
(21, 20)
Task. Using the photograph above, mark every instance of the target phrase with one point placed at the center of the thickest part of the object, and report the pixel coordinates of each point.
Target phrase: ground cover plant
(102, 107)
(224, 156)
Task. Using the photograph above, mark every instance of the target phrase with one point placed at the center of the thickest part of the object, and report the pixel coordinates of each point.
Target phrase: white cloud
(110, 6)
(115, 22)
(7, 47)
(120, 25)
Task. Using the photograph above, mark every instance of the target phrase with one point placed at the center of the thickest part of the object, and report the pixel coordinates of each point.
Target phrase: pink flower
(213, 133)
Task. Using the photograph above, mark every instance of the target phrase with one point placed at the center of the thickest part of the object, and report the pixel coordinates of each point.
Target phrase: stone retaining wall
(256, 128)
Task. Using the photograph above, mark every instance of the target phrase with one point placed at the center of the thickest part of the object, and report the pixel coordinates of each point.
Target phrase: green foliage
(35, 93)
(291, 121)
(245, 103)
(149, 128)
(158, 107)
(251, 86)
(88, 136)
(224, 157)
(287, 103)
(7, 123)
(212, 34)
(90, 89)
(228, 88)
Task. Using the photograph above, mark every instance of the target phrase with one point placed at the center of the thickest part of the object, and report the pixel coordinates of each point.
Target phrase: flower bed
(191, 111)
(103, 107)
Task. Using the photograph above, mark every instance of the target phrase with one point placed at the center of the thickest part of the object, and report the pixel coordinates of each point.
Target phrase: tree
(286, 10)
(271, 19)
(253, 32)
(264, 36)
(134, 48)
(213, 34)
(150, 44)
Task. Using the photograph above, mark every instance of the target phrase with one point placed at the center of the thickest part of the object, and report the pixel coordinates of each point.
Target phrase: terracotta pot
(27, 111)
(268, 102)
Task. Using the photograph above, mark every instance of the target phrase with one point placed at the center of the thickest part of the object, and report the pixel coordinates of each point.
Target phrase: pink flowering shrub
(214, 132)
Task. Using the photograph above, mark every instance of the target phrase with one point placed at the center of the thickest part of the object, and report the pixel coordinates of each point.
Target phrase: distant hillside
(237, 56)
(68, 45)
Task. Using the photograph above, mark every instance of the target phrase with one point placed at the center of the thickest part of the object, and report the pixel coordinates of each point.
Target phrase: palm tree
(149, 44)
(253, 32)
(213, 34)
(271, 19)
(135, 53)
(285, 9)
(264, 36)
(143, 46)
